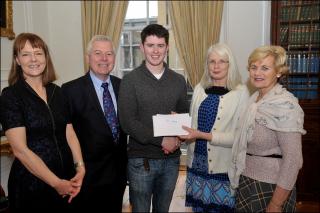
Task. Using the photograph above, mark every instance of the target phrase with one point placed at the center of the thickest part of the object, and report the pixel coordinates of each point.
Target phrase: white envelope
(170, 125)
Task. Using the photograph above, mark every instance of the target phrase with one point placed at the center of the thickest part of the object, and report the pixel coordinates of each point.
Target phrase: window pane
(136, 39)
(124, 40)
(153, 20)
(125, 58)
(136, 9)
(153, 9)
(137, 57)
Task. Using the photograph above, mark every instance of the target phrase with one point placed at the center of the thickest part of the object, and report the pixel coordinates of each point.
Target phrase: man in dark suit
(103, 144)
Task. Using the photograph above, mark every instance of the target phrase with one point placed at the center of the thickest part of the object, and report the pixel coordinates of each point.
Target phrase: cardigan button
(209, 150)
(210, 160)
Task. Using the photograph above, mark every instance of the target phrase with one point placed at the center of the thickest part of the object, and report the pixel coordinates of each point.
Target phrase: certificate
(170, 125)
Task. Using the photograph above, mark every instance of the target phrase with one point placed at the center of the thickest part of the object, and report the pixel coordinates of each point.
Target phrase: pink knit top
(282, 172)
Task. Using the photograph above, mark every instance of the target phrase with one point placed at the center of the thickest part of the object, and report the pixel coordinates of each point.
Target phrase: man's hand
(170, 144)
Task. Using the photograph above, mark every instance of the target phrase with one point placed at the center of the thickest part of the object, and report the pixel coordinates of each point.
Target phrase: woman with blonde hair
(267, 154)
(217, 103)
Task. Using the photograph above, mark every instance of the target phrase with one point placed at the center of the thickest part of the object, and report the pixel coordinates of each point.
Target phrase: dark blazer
(105, 161)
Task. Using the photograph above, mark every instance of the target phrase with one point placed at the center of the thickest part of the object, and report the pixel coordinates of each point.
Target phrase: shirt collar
(98, 82)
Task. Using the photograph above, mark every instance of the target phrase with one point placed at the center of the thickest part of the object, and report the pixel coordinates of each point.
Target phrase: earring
(278, 75)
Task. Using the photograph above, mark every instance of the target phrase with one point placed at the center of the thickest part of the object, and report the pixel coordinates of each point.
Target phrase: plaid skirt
(254, 196)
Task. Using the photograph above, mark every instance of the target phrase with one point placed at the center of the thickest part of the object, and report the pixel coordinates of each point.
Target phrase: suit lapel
(115, 85)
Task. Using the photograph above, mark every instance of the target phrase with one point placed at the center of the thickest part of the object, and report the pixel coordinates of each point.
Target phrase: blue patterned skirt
(209, 192)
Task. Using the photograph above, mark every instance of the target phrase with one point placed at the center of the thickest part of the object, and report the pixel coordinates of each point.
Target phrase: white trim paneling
(266, 21)
(224, 36)
(4, 77)
(28, 18)
(6, 162)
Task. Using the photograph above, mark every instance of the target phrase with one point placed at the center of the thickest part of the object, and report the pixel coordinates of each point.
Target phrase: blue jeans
(157, 183)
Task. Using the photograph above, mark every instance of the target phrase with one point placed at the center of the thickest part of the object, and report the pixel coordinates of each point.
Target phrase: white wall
(66, 39)
(59, 24)
(246, 25)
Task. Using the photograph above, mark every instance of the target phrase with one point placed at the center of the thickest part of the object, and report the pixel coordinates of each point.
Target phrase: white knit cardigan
(223, 131)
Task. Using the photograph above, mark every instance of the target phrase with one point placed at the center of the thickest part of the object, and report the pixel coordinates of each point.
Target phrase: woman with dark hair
(34, 116)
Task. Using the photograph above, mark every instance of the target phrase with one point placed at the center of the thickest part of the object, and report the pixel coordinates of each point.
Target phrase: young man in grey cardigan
(150, 89)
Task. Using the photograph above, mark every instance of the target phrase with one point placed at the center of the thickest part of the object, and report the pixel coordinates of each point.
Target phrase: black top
(45, 125)
(215, 90)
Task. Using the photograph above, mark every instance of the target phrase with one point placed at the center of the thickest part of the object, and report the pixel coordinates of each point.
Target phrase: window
(140, 14)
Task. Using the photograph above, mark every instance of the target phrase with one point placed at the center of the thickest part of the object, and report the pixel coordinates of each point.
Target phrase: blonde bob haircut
(278, 53)
(233, 75)
(16, 73)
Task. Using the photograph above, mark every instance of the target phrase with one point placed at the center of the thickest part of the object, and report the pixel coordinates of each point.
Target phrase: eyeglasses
(219, 63)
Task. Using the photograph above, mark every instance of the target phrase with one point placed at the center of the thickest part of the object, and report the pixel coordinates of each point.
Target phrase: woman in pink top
(267, 155)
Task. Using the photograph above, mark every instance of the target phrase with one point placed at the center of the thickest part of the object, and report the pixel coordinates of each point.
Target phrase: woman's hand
(279, 197)
(193, 134)
(76, 182)
(64, 187)
(272, 207)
